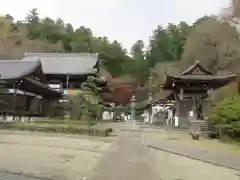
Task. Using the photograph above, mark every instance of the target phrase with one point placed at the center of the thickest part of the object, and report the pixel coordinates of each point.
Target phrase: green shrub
(225, 112)
(56, 126)
(104, 132)
(226, 115)
(76, 110)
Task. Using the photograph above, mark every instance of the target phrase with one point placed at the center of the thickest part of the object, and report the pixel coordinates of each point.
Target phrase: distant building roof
(65, 63)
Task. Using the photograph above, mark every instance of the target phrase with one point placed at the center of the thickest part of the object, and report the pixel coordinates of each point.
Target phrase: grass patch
(203, 142)
(211, 144)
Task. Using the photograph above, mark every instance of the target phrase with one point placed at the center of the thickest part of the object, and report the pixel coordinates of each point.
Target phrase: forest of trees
(47, 35)
(212, 41)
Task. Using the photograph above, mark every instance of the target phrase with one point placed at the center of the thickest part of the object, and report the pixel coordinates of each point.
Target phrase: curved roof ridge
(195, 66)
(60, 54)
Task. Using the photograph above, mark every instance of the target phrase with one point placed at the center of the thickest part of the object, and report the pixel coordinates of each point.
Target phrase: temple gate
(191, 89)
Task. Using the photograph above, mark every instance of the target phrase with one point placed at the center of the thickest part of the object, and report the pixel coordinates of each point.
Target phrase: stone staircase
(201, 125)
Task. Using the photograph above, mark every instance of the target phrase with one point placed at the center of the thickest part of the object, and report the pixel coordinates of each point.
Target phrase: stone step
(201, 124)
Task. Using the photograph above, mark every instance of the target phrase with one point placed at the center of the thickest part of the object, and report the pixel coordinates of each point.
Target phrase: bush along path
(100, 130)
(225, 118)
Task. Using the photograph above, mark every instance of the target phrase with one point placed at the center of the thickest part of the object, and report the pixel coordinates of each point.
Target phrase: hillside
(15, 47)
(214, 43)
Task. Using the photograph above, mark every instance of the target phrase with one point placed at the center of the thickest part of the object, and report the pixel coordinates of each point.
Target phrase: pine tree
(92, 105)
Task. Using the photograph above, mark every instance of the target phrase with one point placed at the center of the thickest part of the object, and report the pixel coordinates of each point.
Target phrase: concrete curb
(195, 158)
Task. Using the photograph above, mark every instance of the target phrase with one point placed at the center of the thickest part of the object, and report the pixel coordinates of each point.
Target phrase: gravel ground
(174, 167)
(32, 157)
(37, 156)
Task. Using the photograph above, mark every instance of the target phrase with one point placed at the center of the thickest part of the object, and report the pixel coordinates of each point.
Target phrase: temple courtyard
(132, 153)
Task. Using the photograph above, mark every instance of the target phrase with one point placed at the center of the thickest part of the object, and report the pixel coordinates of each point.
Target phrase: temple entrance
(191, 89)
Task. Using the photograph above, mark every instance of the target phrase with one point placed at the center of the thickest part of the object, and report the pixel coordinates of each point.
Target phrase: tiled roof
(19, 69)
(197, 66)
(13, 69)
(65, 63)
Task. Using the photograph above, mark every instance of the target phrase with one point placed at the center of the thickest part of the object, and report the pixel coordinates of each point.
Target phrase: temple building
(31, 85)
(24, 89)
(191, 89)
(66, 71)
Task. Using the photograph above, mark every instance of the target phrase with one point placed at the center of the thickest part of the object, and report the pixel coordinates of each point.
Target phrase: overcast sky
(123, 20)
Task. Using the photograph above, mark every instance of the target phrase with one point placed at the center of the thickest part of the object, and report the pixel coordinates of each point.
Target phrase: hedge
(66, 122)
(57, 128)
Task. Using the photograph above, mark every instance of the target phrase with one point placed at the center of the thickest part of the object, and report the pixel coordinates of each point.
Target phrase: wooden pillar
(210, 93)
(194, 107)
(181, 95)
(67, 82)
(14, 99)
(41, 106)
(51, 108)
(177, 109)
(177, 114)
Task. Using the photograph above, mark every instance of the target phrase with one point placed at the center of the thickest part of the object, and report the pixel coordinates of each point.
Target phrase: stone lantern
(132, 107)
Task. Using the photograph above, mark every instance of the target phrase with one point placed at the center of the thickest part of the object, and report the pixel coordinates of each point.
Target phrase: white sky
(123, 20)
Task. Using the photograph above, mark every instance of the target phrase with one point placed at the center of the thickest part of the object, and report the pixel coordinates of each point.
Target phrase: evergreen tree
(92, 88)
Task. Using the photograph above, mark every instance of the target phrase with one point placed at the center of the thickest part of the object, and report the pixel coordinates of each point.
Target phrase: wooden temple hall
(66, 70)
(31, 86)
(24, 89)
(192, 91)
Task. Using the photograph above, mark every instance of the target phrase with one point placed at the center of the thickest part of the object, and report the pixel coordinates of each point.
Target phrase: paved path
(129, 159)
(224, 159)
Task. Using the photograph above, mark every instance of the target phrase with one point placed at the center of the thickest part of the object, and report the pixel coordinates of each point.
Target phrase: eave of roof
(40, 88)
(201, 77)
(92, 71)
(210, 79)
